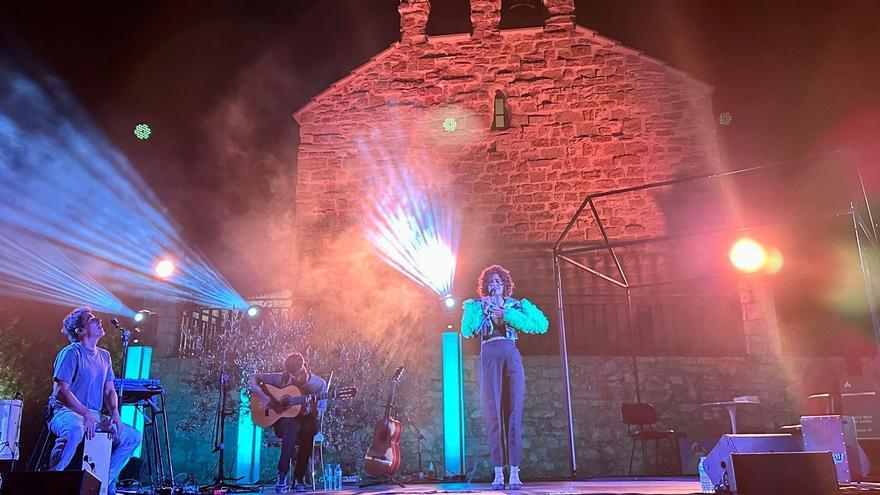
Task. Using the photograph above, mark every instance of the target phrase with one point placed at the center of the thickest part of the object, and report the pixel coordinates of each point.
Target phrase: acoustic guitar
(288, 402)
(383, 456)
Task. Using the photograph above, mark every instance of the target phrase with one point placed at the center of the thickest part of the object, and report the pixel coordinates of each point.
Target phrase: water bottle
(326, 476)
(705, 483)
(337, 476)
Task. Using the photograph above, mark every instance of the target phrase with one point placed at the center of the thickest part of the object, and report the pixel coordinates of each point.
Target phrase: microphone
(116, 324)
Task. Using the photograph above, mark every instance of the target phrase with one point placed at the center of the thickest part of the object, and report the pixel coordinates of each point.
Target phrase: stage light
(414, 229)
(253, 311)
(449, 301)
(52, 151)
(142, 315)
(164, 268)
(748, 256)
(142, 131)
(450, 124)
(725, 118)
(774, 261)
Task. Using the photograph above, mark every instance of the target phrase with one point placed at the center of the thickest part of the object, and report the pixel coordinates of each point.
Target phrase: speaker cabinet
(804, 473)
(51, 482)
(718, 460)
(836, 434)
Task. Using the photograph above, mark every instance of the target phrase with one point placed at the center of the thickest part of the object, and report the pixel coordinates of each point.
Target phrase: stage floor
(643, 486)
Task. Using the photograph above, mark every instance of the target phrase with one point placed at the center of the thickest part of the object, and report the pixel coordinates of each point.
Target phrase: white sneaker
(514, 482)
(498, 482)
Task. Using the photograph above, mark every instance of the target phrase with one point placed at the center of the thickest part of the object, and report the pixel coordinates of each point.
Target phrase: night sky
(218, 80)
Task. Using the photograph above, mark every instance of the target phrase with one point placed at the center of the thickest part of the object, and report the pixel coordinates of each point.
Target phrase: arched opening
(522, 13)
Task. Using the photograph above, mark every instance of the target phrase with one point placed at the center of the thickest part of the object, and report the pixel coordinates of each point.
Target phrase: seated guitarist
(300, 430)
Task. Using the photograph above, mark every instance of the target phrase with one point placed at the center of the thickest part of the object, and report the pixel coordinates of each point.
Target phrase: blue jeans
(68, 427)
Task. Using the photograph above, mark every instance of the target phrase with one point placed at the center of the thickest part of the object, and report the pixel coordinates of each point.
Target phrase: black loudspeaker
(51, 482)
(718, 460)
(804, 473)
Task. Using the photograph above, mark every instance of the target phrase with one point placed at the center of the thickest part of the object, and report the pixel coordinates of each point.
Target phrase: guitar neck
(388, 404)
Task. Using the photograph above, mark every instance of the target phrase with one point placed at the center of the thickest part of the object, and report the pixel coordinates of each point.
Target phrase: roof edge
(353, 73)
(441, 38)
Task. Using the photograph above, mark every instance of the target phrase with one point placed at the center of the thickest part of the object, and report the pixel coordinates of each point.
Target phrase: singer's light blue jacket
(521, 314)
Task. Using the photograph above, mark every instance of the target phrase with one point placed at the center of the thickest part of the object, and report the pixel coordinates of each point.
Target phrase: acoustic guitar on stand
(288, 402)
(383, 456)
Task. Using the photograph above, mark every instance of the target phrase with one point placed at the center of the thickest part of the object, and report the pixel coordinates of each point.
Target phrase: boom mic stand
(221, 482)
(420, 474)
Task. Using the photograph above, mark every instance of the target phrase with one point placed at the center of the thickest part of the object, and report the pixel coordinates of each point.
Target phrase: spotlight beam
(412, 229)
(77, 194)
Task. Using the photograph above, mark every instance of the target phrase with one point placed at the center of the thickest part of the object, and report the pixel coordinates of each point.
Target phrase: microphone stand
(125, 335)
(420, 474)
(221, 482)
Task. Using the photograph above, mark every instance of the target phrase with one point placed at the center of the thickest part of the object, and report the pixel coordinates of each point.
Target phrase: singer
(496, 318)
(83, 385)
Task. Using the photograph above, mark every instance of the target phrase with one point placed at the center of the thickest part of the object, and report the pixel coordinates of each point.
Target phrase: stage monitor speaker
(836, 434)
(804, 473)
(51, 482)
(718, 460)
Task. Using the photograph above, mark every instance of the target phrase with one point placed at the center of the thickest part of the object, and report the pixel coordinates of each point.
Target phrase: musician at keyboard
(83, 385)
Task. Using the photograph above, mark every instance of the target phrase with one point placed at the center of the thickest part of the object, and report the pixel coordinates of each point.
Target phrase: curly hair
(73, 322)
(483, 280)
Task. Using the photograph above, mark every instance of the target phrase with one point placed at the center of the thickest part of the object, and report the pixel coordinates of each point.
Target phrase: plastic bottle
(337, 476)
(328, 470)
(705, 483)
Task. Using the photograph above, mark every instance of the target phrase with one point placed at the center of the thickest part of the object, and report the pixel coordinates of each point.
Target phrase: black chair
(639, 419)
(39, 457)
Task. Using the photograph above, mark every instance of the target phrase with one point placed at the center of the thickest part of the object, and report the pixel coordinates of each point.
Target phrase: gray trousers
(69, 428)
(502, 376)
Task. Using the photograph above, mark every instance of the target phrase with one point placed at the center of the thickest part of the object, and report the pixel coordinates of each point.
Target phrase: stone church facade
(581, 113)
(518, 125)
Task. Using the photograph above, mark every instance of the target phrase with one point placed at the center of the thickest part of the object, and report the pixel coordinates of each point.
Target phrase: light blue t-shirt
(86, 371)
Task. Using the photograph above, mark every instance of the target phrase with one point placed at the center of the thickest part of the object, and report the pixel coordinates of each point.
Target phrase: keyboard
(138, 389)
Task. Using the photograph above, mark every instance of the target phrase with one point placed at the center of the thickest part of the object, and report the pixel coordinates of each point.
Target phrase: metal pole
(866, 277)
(563, 357)
(867, 203)
(632, 340)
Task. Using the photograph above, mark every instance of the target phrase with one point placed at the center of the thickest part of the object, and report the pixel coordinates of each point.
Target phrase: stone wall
(586, 115)
(675, 385)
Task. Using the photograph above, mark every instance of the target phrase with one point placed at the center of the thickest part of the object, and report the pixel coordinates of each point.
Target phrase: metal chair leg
(632, 452)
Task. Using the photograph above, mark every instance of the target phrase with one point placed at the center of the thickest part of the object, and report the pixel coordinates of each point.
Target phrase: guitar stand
(385, 480)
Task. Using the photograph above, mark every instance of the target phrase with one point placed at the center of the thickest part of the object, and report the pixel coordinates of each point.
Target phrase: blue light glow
(453, 404)
(36, 270)
(413, 229)
(71, 193)
(137, 365)
(249, 441)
